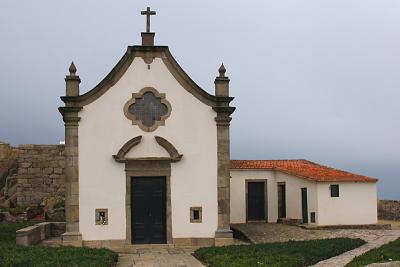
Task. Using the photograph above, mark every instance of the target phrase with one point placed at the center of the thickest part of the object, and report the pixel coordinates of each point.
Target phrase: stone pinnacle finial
(222, 70)
(72, 69)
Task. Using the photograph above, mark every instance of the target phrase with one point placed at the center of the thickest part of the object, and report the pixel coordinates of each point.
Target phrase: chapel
(147, 156)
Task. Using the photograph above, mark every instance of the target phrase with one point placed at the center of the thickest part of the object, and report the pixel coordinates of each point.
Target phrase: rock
(54, 208)
(35, 212)
(6, 217)
(57, 215)
(5, 204)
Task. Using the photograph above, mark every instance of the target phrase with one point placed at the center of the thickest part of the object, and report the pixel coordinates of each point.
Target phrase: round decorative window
(148, 109)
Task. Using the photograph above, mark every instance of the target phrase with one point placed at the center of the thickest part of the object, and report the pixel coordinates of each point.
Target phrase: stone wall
(8, 169)
(36, 173)
(389, 209)
(7, 162)
(40, 173)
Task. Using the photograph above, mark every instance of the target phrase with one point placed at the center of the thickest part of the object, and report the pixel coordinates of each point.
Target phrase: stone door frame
(148, 168)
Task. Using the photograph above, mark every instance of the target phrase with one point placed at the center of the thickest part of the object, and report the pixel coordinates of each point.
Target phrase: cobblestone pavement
(158, 257)
(264, 233)
(267, 233)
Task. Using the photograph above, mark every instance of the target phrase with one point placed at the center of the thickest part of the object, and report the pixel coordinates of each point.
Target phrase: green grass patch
(287, 254)
(40, 256)
(14, 211)
(385, 253)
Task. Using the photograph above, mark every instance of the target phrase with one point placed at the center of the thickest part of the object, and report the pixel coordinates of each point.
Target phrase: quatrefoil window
(148, 109)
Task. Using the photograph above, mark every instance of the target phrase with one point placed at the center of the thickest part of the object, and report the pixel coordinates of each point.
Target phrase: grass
(385, 253)
(287, 254)
(40, 256)
(14, 211)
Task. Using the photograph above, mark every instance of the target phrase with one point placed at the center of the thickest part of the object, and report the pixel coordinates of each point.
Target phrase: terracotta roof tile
(304, 169)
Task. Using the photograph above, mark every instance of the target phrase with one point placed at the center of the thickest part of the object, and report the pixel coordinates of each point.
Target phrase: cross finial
(148, 13)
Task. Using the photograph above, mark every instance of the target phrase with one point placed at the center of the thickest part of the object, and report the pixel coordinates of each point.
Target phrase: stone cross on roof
(148, 13)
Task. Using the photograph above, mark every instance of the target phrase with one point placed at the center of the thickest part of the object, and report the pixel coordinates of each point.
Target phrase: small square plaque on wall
(101, 217)
(195, 214)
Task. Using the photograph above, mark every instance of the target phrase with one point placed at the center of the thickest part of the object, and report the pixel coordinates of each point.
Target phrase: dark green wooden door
(281, 201)
(255, 201)
(148, 214)
(304, 204)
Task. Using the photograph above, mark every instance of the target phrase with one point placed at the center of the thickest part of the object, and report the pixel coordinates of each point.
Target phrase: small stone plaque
(101, 216)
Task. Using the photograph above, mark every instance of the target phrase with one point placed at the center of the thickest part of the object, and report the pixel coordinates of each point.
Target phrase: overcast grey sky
(313, 79)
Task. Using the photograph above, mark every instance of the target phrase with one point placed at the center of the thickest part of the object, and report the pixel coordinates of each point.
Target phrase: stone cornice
(70, 115)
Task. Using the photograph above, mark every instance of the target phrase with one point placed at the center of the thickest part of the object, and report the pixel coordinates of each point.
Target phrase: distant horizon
(311, 80)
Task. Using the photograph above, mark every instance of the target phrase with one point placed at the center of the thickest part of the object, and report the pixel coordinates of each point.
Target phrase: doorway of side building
(304, 204)
(256, 200)
(281, 200)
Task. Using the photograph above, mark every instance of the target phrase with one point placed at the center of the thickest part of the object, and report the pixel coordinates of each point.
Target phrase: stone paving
(343, 259)
(267, 233)
(158, 257)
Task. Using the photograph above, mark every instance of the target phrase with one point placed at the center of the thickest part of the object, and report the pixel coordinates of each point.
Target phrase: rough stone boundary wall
(40, 173)
(30, 174)
(389, 209)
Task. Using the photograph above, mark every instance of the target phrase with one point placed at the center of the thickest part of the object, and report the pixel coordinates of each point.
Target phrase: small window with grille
(334, 190)
(195, 214)
(312, 217)
(148, 109)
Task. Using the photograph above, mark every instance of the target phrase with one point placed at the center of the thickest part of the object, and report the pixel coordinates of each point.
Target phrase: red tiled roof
(303, 169)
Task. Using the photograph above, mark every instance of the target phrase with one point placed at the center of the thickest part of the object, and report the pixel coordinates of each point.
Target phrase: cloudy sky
(313, 79)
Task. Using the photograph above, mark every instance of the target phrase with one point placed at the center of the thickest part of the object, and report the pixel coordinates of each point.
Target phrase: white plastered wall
(104, 129)
(293, 194)
(356, 204)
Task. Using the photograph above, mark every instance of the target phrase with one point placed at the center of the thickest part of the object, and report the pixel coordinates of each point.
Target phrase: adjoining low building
(272, 190)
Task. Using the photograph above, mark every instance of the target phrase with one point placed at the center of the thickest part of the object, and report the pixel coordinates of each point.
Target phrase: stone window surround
(265, 181)
(97, 216)
(139, 95)
(200, 210)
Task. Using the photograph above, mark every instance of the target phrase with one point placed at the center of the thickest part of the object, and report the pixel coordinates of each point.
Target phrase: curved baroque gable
(146, 52)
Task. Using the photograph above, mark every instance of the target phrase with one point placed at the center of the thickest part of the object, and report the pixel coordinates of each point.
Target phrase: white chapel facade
(147, 154)
(148, 161)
